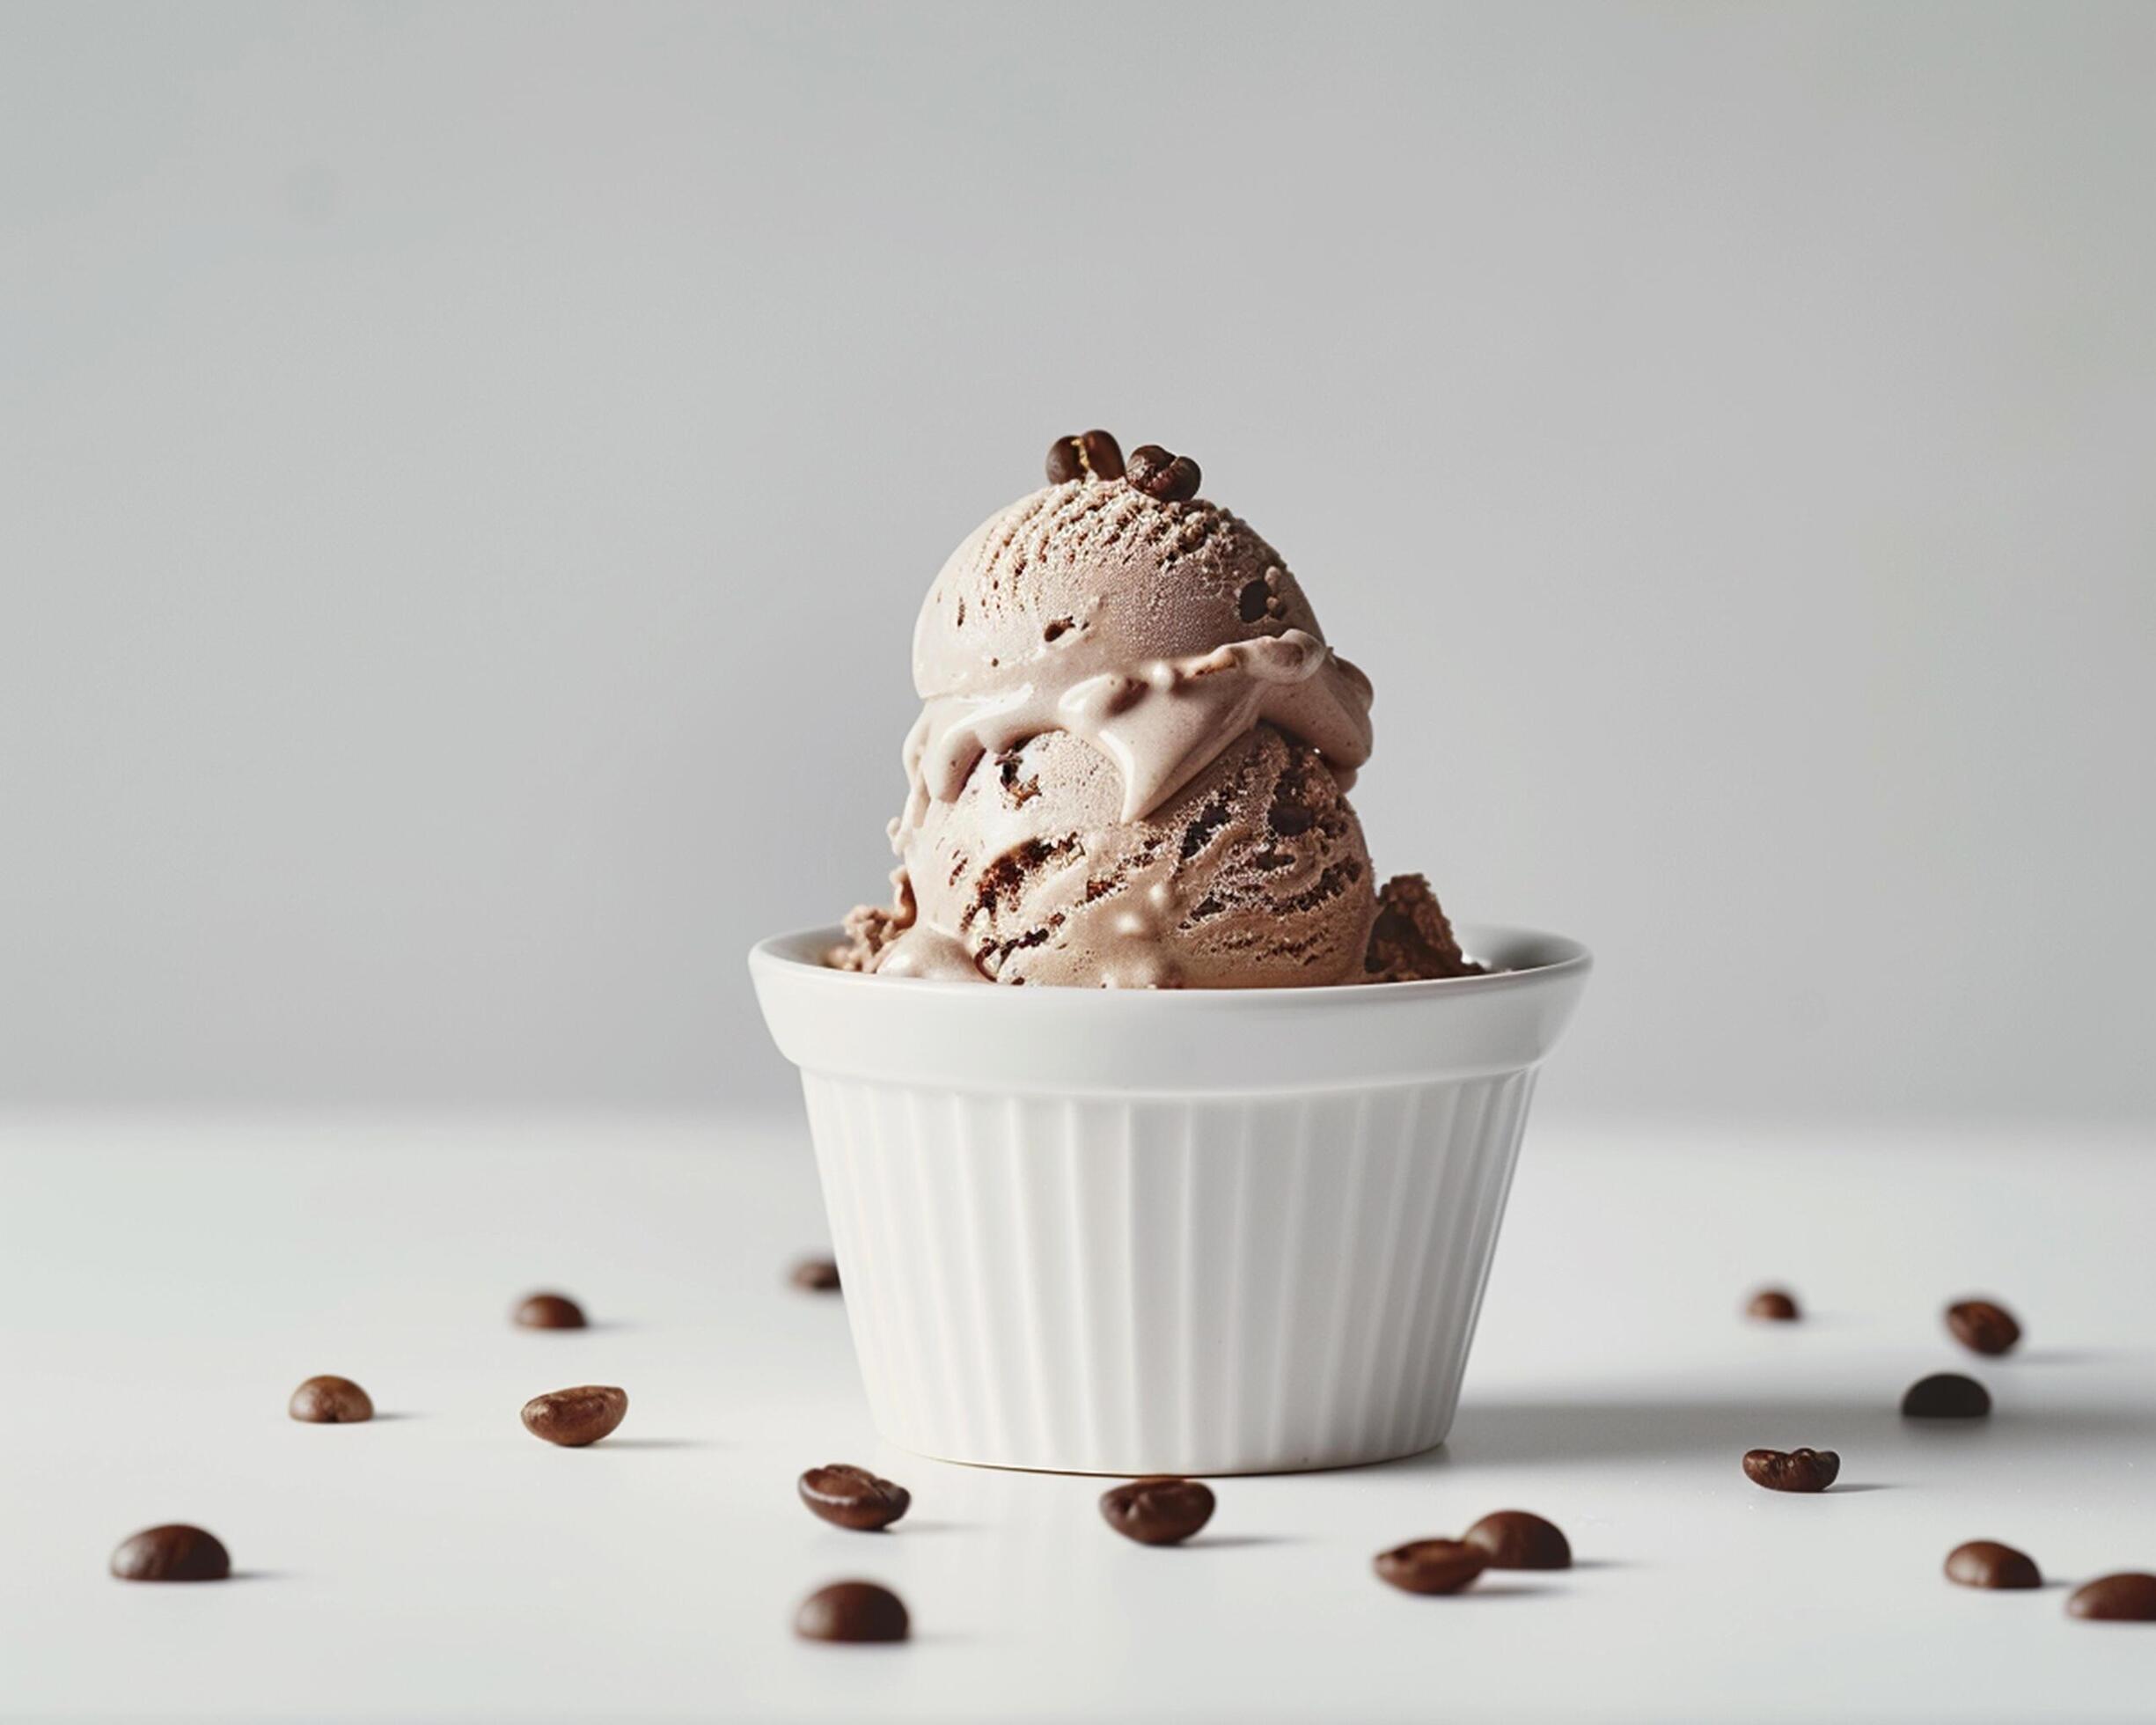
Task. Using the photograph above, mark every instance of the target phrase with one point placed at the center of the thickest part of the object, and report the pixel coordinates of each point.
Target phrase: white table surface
(164, 1286)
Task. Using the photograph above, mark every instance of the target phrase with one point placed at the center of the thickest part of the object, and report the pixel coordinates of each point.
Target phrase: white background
(467, 473)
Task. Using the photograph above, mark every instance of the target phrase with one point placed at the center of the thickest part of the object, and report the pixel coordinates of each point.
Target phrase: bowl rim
(797, 955)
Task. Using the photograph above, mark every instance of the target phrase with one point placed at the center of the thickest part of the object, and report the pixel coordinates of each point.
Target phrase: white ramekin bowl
(1184, 1232)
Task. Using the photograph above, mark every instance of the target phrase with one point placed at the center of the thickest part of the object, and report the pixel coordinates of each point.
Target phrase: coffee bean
(1794, 1471)
(851, 1611)
(1987, 1563)
(574, 1418)
(1158, 1512)
(551, 1312)
(1775, 1305)
(817, 1275)
(1514, 1539)
(330, 1401)
(173, 1552)
(1084, 455)
(1173, 479)
(2124, 1598)
(853, 1497)
(1982, 1326)
(1946, 1394)
(1431, 1565)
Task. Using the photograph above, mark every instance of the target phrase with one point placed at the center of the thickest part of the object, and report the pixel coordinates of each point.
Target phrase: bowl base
(1241, 1469)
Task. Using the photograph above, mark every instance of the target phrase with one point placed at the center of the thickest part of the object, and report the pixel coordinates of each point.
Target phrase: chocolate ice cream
(1131, 762)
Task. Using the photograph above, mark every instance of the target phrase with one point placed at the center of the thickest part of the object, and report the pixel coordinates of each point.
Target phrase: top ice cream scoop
(1158, 631)
(1116, 612)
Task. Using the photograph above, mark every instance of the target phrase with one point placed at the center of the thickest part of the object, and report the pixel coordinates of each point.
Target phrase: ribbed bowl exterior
(1148, 1233)
(1212, 1285)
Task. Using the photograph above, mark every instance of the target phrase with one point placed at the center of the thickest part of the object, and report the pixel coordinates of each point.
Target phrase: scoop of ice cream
(1130, 763)
(1158, 632)
(1254, 875)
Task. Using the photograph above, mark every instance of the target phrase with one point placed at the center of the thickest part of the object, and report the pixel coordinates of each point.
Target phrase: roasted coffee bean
(574, 1418)
(1514, 1539)
(1987, 1563)
(853, 1497)
(1158, 1512)
(2124, 1598)
(817, 1275)
(174, 1553)
(1775, 1305)
(1102, 455)
(1946, 1394)
(1173, 479)
(1982, 1326)
(330, 1401)
(1431, 1565)
(1084, 455)
(851, 1611)
(551, 1312)
(1794, 1471)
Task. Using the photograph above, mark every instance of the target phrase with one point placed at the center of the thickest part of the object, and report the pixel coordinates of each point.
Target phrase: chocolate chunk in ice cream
(1411, 938)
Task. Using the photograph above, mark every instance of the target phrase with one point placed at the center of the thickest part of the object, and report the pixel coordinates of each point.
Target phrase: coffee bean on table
(817, 1275)
(1158, 1512)
(2129, 1598)
(574, 1418)
(1987, 1563)
(1084, 455)
(1515, 1539)
(551, 1312)
(173, 1552)
(1774, 1305)
(1793, 1471)
(330, 1401)
(851, 1611)
(1982, 1326)
(1431, 1565)
(1173, 479)
(853, 1497)
(1946, 1394)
